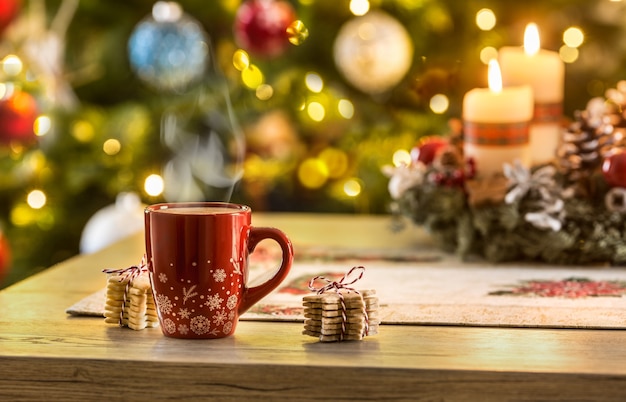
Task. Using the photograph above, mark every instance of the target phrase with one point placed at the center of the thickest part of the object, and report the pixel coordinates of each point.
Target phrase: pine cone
(584, 144)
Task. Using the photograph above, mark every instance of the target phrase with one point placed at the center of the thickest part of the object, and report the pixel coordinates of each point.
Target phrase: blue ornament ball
(169, 49)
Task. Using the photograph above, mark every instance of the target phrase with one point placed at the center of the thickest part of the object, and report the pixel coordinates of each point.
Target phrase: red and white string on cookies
(343, 284)
(130, 273)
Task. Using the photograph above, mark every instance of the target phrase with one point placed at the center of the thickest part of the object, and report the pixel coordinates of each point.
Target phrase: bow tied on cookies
(338, 312)
(129, 300)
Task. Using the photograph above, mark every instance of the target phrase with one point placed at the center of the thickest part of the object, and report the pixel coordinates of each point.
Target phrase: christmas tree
(283, 105)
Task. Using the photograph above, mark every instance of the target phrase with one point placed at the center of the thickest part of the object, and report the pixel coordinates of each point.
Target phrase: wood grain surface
(47, 355)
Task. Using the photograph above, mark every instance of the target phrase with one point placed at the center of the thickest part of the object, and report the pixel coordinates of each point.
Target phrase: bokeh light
(111, 147)
(264, 92)
(439, 103)
(568, 54)
(488, 53)
(12, 65)
(401, 157)
(252, 77)
(23, 214)
(573, 37)
(485, 19)
(166, 11)
(359, 7)
(241, 60)
(5, 89)
(314, 82)
(316, 111)
(352, 187)
(42, 125)
(83, 131)
(36, 199)
(154, 185)
(336, 161)
(313, 173)
(345, 108)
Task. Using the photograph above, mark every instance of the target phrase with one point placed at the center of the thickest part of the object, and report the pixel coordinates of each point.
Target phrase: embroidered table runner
(436, 290)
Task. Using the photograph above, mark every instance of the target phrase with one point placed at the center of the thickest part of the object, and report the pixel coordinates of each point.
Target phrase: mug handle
(254, 294)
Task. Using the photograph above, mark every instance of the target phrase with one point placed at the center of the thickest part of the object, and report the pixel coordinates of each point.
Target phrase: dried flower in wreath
(403, 177)
(544, 193)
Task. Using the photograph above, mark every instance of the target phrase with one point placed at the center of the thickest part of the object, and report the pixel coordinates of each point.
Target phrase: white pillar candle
(544, 71)
(496, 124)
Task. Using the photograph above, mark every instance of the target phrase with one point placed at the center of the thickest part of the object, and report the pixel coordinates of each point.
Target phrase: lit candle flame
(531, 39)
(494, 76)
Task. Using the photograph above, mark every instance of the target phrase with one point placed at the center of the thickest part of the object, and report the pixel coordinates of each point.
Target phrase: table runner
(438, 290)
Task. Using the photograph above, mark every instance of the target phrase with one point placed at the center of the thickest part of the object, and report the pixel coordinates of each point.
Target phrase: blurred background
(296, 105)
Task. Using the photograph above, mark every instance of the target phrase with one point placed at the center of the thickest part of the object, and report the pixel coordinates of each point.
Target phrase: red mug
(198, 262)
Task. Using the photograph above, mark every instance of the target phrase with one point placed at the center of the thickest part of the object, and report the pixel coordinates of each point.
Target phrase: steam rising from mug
(206, 143)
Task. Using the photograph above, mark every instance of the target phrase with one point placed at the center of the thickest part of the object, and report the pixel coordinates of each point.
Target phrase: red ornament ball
(8, 10)
(17, 117)
(427, 149)
(261, 26)
(5, 256)
(614, 169)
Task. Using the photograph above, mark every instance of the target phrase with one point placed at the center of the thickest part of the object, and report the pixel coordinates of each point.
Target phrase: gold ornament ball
(373, 52)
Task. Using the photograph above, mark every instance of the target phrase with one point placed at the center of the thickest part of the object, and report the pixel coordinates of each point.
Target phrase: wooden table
(46, 354)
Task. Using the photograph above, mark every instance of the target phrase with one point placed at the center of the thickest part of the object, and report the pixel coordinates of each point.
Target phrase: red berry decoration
(261, 26)
(614, 169)
(427, 149)
(8, 11)
(17, 117)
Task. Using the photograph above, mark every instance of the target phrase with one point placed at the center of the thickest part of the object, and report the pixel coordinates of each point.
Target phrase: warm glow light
(313, 173)
(36, 199)
(352, 187)
(573, 37)
(485, 19)
(166, 11)
(12, 65)
(241, 60)
(111, 147)
(568, 54)
(314, 82)
(316, 111)
(336, 161)
(401, 157)
(359, 7)
(252, 77)
(488, 53)
(83, 131)
(346, 108)
(264, 92)
(495, 76)
(42, 125)
(154, 185)
(439, 103)
(532, 43)
(366, 31)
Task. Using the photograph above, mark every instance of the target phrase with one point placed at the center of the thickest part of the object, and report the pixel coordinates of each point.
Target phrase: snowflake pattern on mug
(219, 275)
(164, 303)
(186, 308)
(169, 325)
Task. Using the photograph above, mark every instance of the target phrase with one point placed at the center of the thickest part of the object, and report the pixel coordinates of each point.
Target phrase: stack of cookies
(129, 301)
(341, 316)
